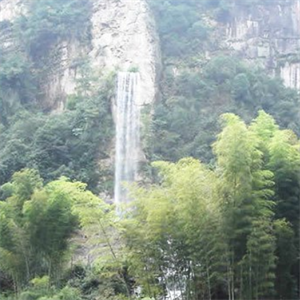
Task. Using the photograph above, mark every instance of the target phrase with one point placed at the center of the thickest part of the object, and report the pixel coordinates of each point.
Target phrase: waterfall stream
(127, 151)
(127, 133)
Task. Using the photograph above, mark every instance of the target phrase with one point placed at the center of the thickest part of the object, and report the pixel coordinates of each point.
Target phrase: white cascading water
(128, 145)
(127, 133)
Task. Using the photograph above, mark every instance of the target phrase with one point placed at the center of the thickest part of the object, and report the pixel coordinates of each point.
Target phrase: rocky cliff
(268, 33)
(123, 37)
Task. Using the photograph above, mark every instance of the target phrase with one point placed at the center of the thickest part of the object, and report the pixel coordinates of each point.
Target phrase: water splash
(127, 133)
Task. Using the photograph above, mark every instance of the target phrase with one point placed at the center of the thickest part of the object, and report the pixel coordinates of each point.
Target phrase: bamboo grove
(224, 232)
(228, 230)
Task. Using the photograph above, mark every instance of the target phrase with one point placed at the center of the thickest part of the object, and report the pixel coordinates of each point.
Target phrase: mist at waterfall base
(127, 134)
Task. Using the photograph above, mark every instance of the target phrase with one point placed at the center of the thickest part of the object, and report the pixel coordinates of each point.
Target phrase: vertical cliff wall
(123, 37)
(268, 33)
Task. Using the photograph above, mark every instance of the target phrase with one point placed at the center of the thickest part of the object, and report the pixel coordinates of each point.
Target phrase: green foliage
(17, 84)
(185, 122)
(180, 26)
(167, 239)
(50, 21)
(42, 290)
(203, 232)
(14, 71)
(285, 162)
(227, 230)
(286, 253)
(199, 82)
(55, 145)
(259, 262)
(36, 223)
(35, 34)
(246, 190)
(94, 284)
(69, 144)
(220, 228)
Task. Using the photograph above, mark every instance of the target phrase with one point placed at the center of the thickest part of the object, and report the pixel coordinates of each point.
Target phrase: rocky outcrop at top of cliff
(268, 33)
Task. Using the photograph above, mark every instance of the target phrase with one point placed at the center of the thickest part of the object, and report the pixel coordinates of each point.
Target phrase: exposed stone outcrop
(60, 79)
(290, 73)
(270, 35)
(9, 10)
(123, 37)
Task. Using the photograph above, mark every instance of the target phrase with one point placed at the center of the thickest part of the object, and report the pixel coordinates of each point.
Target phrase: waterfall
(127, 133)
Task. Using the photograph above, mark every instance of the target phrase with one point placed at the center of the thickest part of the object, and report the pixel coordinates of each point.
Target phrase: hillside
(214, 89)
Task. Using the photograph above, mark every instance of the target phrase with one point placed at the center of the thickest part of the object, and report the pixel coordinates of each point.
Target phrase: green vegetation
(51, 21)
(185, 122)
(181, 27)
(218, 233)
(219, 215)
(36, 36)
(197, 88)
(228, 232)
(37, 222)
(69, 144)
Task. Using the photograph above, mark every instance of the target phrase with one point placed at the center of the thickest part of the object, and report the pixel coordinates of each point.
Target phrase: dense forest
(217, 213)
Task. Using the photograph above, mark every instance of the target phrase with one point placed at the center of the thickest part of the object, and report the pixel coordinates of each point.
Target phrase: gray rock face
(9, 10)
(123, 38)
(270, 35)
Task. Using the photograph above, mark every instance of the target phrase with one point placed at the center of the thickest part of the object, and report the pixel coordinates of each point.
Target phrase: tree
(37, 222)
(173, 232)
(259, 262)
(285, 163)
(286, 253)
(245, 189)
